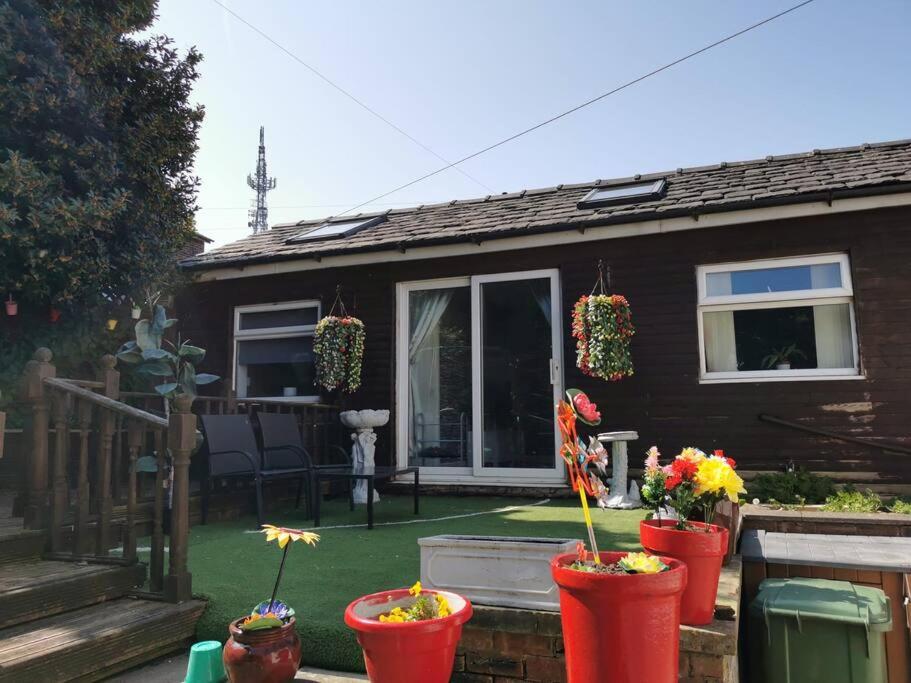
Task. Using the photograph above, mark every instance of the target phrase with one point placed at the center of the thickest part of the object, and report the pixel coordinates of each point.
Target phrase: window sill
(281, 399)
(775, 378)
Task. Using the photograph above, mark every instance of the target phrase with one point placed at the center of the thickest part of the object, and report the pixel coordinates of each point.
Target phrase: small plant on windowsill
(780, 359)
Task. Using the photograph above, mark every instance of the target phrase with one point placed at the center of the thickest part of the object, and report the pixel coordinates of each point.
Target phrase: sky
(459, 76)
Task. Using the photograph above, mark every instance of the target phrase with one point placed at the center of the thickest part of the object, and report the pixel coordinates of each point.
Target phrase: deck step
(17, 543)
(93, 643)
(35, 589)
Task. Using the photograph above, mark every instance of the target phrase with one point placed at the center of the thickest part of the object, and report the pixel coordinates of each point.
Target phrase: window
(780, 319)
(273, 350)
(623, 194)
(336, 229)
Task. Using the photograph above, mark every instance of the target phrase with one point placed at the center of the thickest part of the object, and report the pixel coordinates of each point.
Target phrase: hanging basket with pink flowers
(338, 345)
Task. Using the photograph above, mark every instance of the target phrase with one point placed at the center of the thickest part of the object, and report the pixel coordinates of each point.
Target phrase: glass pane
(439, 370)
(795, 338)
(277, 367)
(516, 391)
(786, 279)
(288, 317)
(622, 191)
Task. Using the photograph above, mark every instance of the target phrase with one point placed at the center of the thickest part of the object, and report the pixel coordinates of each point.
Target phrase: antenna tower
(259, 214)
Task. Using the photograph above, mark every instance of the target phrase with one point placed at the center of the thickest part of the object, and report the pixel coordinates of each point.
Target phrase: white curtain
(426, 308)
(720, 346)
(834, 343)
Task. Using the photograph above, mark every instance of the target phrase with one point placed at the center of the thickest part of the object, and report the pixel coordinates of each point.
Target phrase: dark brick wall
(664, 401)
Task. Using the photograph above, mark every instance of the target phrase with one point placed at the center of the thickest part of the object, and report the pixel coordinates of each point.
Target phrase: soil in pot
(611, 619)
(270, 655)
(408, 652)
(702, 547)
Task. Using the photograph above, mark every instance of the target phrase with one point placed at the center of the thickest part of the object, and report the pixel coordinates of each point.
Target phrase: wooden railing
(81, 431)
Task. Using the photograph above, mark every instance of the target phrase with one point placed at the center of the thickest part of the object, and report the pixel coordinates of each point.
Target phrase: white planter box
(494, 570)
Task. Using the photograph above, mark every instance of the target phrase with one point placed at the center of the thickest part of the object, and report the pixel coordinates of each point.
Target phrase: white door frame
(556, 377)
(476, 474)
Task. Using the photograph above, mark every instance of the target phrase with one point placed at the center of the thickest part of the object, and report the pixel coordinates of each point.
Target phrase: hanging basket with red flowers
(602, 327)
(338, 345)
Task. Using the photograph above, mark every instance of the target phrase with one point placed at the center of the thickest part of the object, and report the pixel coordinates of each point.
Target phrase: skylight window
(336, 229)
(623, 194)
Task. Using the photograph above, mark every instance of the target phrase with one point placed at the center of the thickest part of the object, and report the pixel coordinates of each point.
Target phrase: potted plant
(264, 647)
(338, 345)
(409, 635)
(692, 480)
(780, 359)
(12, 306)
(614, 606)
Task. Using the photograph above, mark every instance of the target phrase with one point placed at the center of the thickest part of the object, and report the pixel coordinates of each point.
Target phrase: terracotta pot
(12, 307)
(54, 314)
(701, 550)
(268, 656)
(412, 652)
(620, 628)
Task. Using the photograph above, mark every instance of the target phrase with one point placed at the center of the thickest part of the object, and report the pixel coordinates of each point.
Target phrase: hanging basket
(602, 327)
(338, 345)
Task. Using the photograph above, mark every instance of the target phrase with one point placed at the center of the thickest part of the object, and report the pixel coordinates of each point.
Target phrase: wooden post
(110, 378)
(134, 443)
(156, 556)
(59, 485)
(36, 370)
(81, 541)
(182, 443)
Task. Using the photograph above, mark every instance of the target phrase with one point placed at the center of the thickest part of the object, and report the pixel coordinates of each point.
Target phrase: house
(467, 308)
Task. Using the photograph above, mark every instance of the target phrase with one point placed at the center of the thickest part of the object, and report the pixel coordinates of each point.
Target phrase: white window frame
(766, 300)
(240, 373)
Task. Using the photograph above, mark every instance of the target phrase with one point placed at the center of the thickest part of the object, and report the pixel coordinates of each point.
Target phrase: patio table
(360, 473)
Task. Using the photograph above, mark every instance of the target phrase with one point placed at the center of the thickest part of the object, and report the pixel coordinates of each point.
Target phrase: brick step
(93, 643)
(36, 589)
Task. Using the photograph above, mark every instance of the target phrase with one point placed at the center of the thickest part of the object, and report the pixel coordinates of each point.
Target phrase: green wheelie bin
(817, 631)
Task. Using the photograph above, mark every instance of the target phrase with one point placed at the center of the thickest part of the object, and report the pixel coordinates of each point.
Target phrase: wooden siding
(664, 401)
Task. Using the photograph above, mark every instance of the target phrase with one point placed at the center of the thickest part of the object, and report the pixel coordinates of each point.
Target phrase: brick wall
(505, 645)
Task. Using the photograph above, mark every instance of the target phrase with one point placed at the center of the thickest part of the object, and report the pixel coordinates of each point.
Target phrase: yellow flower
(716, 476)
(443, 609)
(286, 535)
(415, 589)
(641, 563)
(692, 454)
(396, 616)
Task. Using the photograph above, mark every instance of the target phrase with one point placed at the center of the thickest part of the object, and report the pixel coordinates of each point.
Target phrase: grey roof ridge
(608, 182)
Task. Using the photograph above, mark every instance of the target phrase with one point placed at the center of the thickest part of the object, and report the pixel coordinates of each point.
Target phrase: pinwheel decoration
(578, 457)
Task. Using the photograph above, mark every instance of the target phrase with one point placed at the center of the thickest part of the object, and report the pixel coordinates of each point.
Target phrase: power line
(344, 92)
(579, 106)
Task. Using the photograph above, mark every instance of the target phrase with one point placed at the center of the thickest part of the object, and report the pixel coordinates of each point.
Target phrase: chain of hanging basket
(602, 327)
(338, 347)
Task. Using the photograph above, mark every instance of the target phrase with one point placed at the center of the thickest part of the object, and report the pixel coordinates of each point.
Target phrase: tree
(97, 140)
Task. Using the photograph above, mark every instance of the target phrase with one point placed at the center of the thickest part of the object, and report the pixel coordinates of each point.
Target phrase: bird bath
(620, 498)
(363, 450)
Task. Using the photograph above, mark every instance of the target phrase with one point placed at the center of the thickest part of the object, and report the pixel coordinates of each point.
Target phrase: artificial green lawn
(235, 569)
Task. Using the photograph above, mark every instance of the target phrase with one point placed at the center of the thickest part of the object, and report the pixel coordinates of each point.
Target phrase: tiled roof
(728, 186)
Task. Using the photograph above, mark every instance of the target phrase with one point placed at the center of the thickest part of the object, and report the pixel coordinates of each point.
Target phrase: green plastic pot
(205, 665)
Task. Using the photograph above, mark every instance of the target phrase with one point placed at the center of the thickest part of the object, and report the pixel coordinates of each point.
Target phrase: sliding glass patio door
(478, 376)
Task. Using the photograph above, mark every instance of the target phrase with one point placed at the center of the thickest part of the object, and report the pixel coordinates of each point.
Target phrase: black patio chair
(234, 453)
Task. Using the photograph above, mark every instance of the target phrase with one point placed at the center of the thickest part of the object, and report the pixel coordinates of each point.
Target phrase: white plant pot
(783, 366)
(364, 419)
(494, 570)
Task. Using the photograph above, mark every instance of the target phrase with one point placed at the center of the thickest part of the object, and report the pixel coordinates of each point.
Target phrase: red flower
(587, 409)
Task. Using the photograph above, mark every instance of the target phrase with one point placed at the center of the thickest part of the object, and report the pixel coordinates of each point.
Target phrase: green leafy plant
(602, 326)
(850, 499)
(150, 357)
(901, 505)
(782, 356)
(797, 487)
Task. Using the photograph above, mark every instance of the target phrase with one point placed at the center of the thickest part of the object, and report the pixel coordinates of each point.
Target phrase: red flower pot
(410, 652)
(54, 314)
(12, 307)
(271, 655)
(701, 550)
(620, 628)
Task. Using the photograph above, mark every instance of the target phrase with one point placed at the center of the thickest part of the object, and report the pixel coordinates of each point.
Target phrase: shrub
(791, 488)
(901, 505)
(850, 499)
